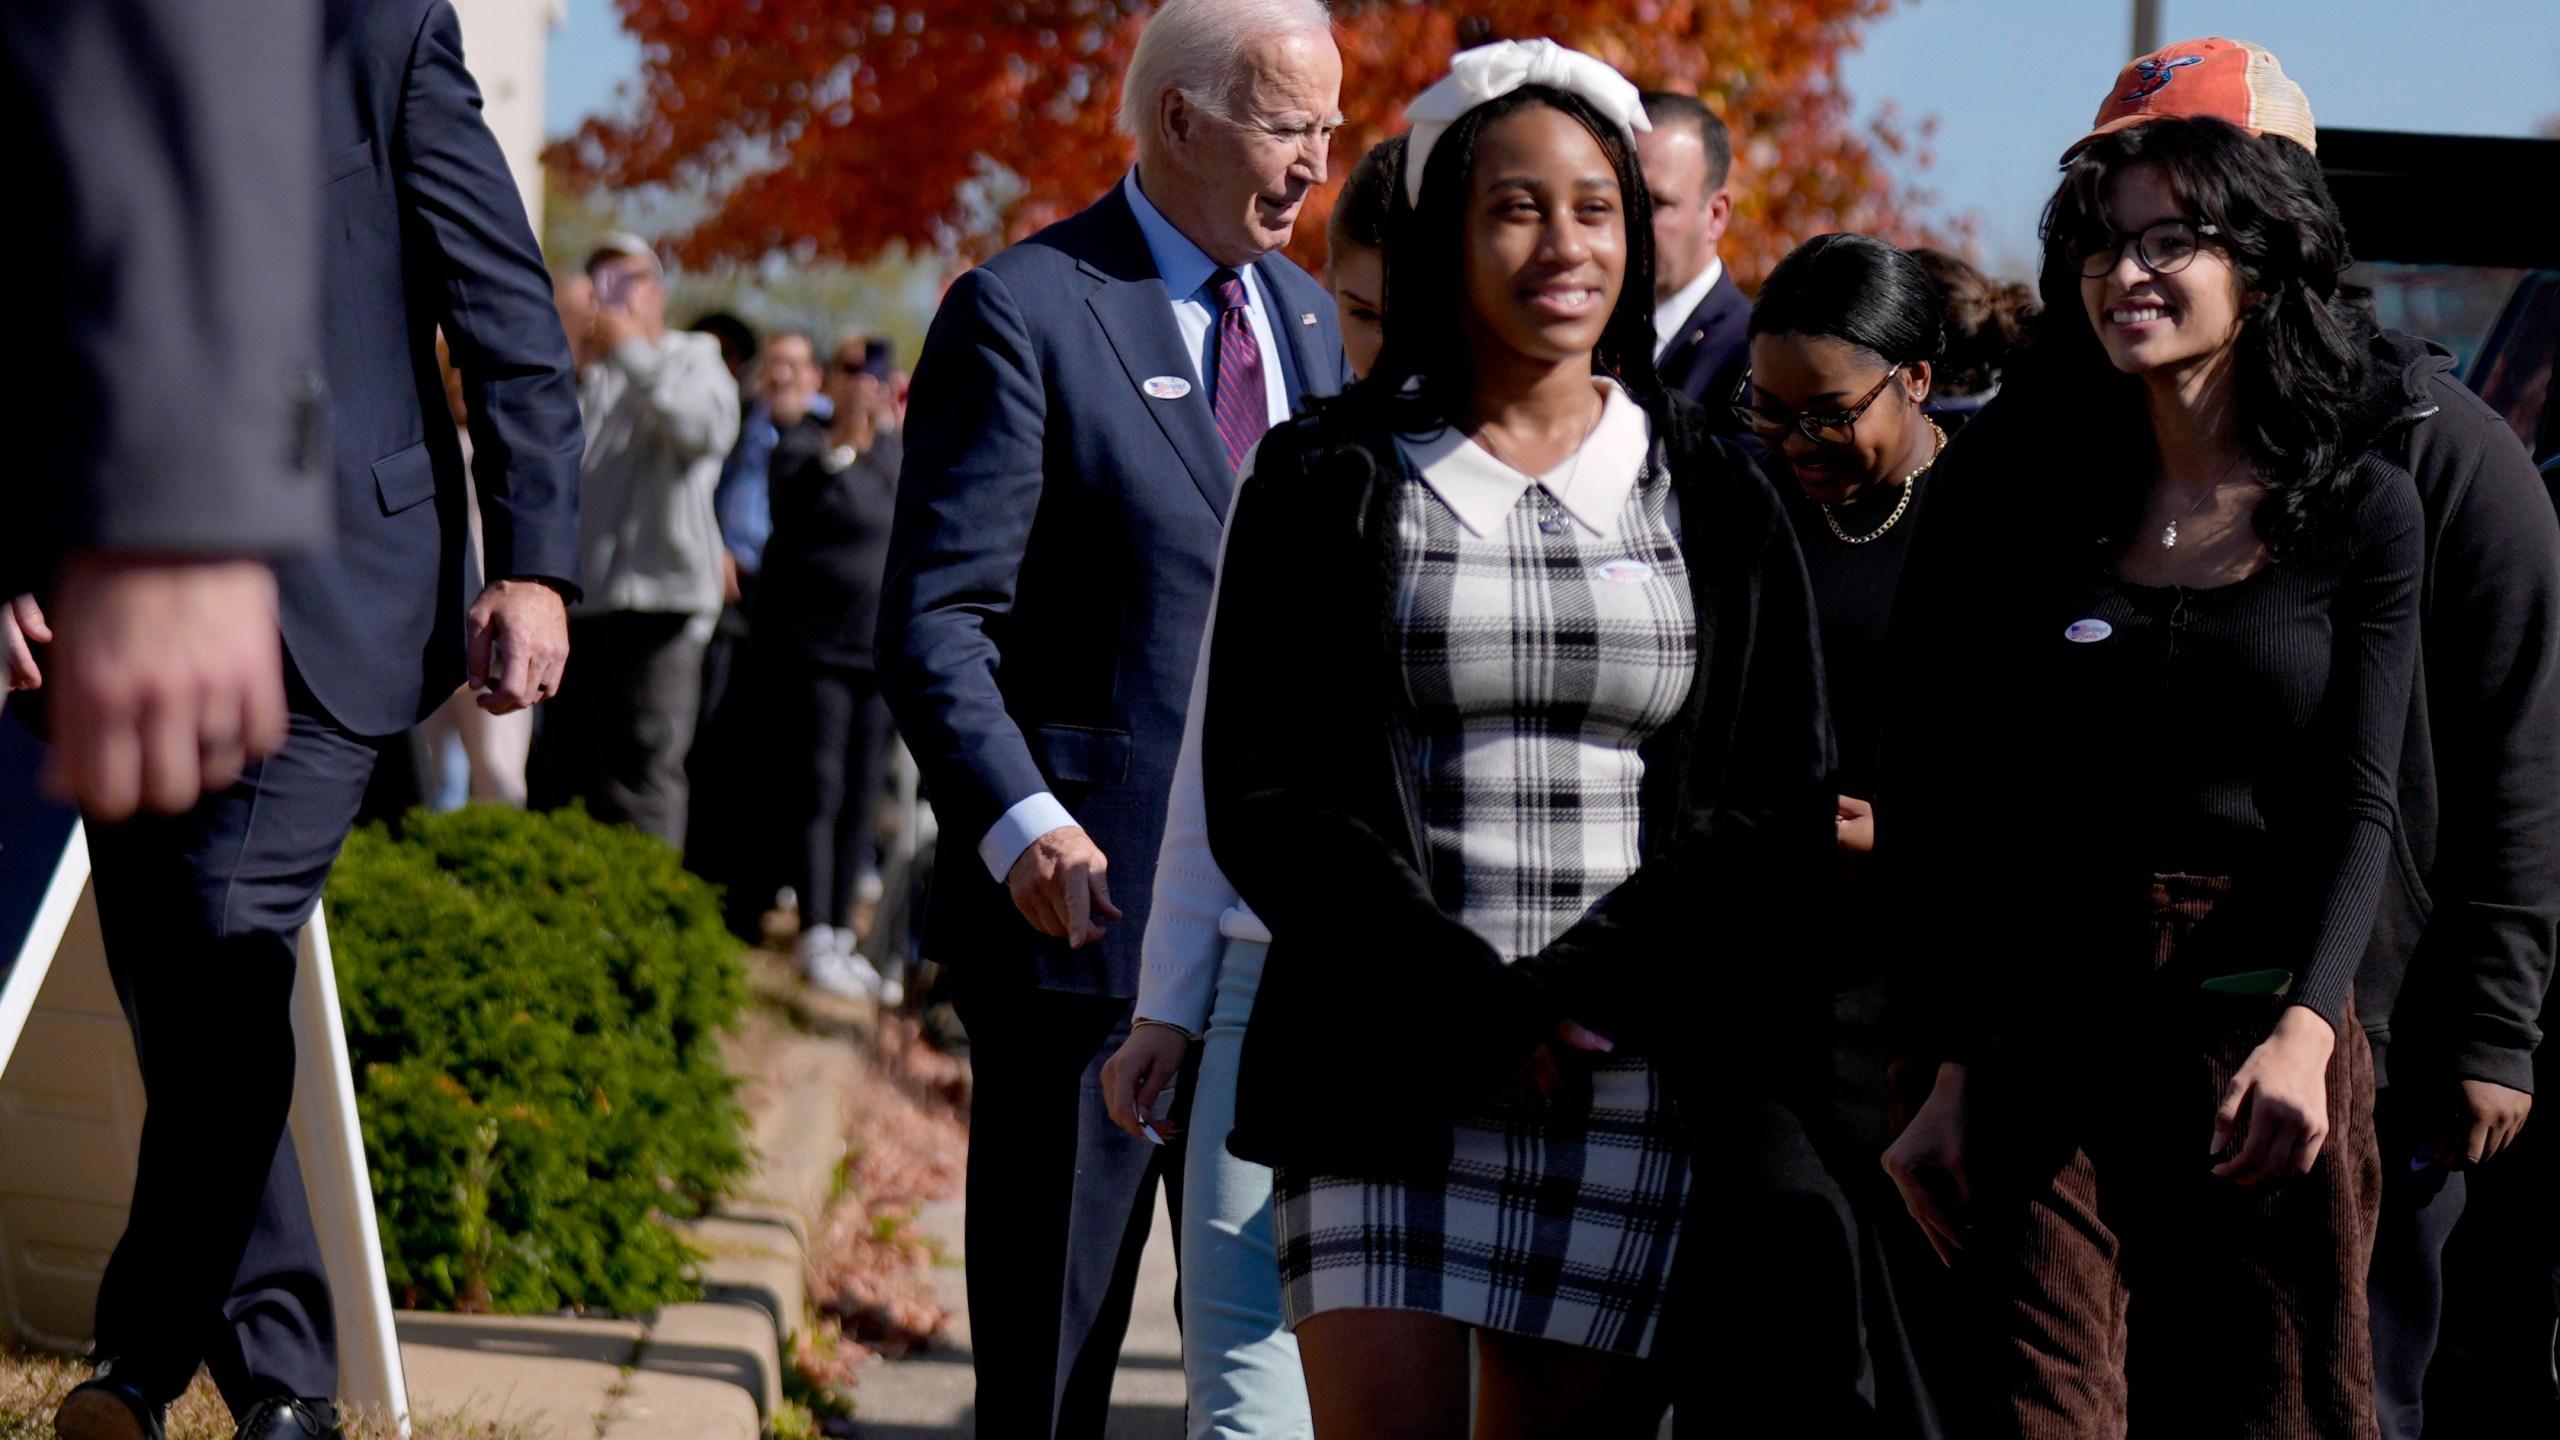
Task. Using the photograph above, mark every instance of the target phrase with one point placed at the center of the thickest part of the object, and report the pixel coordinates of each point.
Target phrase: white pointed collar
(1590, 485)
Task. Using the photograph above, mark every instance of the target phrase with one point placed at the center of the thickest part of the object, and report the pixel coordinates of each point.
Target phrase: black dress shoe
(101, 1408)
(283, 1417)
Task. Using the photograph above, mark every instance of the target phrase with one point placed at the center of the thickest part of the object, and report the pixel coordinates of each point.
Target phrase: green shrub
(532, 1007)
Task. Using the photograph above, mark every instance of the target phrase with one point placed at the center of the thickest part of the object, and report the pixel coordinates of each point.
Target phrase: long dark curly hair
(2300, 361)
(1424, 374)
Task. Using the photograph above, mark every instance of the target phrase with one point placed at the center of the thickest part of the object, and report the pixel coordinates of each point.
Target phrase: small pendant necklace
(1551, 512)
(2169, 532)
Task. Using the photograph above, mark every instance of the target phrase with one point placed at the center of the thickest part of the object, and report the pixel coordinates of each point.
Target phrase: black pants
(1765, 1328)
(2498, 1347)
(730, 810)
(617, 733)
(1060, 1203)
(2405, 1286)
(218, 1264)
(832, 733)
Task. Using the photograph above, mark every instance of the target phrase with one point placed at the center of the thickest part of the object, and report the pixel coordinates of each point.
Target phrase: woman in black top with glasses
(1843, 340)
(1844, 343)
(2160, 633)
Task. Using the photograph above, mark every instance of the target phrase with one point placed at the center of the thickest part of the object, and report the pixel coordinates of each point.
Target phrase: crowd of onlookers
(736, 492)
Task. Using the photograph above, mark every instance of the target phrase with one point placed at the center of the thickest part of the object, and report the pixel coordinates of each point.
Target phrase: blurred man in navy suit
(423, 230)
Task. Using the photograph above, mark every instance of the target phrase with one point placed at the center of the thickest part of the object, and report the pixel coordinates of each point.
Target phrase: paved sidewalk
(929, 1396)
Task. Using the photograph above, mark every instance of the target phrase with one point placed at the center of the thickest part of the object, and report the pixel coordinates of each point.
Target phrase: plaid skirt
(1557, 1219)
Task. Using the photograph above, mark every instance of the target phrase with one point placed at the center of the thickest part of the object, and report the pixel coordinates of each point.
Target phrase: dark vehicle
(2459, 247)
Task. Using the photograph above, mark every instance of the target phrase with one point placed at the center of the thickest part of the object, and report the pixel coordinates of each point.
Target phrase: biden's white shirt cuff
(1030, 818)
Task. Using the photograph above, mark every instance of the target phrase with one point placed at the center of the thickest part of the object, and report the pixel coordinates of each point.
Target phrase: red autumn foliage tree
(838, 128)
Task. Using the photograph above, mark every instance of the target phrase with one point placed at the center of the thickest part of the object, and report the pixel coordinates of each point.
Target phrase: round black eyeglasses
(2163, 249)
(1832, 429)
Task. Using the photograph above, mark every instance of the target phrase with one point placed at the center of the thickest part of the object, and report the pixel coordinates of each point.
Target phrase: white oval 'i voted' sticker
(2087, 632)
(1625, 571)
(1167, 387)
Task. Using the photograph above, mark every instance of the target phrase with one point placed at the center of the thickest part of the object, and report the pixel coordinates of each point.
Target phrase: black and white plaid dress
(1543, 640)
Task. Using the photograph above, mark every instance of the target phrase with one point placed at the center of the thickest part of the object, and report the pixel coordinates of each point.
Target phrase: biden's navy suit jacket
(1050, 567)
(424, 229)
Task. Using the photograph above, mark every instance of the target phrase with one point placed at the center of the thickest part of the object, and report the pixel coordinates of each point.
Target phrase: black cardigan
(1381, 1018)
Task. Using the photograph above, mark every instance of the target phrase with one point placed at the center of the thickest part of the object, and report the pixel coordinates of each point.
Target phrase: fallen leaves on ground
(872, 1273)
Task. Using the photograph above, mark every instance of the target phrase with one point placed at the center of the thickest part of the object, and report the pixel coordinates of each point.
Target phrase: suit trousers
(1239, 1361)
(200, 913)
(2127, 1288)
(1060, 1203)
(617, 733)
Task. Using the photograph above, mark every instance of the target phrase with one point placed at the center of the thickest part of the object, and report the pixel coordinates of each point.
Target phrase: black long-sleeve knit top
(2062, 735)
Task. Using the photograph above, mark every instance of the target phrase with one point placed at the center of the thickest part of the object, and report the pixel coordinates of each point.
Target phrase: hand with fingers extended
(168, 678)
(1539, 1076)
(516, 644)
(2479, 1119)
(1928, 1164)
(2274, 1116)
(1134, 1077)
(1058, 885)
(22, 625)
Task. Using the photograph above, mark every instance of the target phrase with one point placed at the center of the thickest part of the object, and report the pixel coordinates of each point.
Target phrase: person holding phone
(2163, 582)
(662, 412)
(834, 489)
(1570, 704)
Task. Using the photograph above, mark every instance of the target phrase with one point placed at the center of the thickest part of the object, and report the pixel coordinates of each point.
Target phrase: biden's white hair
(1197, 47)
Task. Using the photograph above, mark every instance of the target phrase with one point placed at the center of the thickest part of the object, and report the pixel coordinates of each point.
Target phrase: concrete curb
(710, 1370)
(730, 1343)
(759, 1263)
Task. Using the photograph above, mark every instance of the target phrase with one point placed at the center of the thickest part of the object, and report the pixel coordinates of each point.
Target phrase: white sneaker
(850, 977)
(818, 942)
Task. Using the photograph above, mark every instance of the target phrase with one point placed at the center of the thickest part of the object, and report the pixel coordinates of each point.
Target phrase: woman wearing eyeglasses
(1844, 342)
(2162, 631)
(1843, 338)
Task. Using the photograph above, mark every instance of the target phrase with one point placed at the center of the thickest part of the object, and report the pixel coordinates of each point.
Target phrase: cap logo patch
(2156, 74)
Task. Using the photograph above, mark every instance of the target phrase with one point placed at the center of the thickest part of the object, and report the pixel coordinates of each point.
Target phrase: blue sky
(2013, 81)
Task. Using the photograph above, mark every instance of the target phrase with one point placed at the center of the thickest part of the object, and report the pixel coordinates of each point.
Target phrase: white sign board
(71, 1106)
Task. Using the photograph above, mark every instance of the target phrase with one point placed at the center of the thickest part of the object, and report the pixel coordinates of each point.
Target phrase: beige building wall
(503, 41)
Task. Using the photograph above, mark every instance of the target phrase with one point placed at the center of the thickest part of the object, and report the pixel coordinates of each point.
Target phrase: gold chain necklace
(1845, 538)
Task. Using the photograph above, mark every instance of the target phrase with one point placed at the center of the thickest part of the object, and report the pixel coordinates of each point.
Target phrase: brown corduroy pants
(2122, 1281)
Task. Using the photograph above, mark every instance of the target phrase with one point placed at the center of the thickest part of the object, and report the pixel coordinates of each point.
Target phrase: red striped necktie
(1241, 405)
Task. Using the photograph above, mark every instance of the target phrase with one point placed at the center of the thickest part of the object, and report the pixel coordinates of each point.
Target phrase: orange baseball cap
(2226, 79)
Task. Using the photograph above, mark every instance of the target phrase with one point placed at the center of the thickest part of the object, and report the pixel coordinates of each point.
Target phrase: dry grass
(32, 1384)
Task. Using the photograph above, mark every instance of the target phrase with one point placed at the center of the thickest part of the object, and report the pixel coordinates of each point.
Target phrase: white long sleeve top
(1195, 911)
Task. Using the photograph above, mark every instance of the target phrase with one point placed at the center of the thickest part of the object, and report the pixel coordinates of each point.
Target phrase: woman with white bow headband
(1510, 685)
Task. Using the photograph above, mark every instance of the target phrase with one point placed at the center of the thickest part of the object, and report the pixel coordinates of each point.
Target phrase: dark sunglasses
(1832, 429)
(2163, 249)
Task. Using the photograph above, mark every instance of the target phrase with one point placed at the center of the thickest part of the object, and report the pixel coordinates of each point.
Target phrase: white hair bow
(1489, 72)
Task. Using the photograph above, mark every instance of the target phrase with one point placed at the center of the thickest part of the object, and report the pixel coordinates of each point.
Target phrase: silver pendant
(1551, 525)
(2169, 536)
